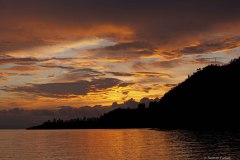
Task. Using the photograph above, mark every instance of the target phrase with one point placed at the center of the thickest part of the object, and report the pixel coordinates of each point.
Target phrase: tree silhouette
(208, 99)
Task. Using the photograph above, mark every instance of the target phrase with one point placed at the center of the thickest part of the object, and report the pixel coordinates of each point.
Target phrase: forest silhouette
(208, 99)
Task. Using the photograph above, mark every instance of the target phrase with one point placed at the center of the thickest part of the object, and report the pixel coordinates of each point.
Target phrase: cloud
(21, 118)
(165, 24)
(23, 68)
(207, 61)
(173, 63)
(156, 64)
(122, 50)
(124, 74)
(171, 85)
(4, 59)
(79, 74)
(152, 74)
(211, 46)
(52, 65)
(4, 75)
(147, 40)
(140, 74)
(70, 89)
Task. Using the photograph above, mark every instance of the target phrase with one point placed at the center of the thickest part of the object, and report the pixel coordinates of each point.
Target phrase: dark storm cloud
(158, 22)
(67, 89)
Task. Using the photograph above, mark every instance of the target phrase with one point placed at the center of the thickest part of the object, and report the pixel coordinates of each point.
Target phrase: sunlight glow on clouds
(96, 52)
(66, 50)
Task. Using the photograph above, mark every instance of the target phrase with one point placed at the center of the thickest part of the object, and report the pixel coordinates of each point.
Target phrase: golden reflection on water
(115, 144)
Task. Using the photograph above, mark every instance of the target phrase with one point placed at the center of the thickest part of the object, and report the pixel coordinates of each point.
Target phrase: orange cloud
(140, 74)
(146, 43)
(24, 68)
(68, 89)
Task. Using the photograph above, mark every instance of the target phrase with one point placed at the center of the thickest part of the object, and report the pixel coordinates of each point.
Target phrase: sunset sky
(96, 52)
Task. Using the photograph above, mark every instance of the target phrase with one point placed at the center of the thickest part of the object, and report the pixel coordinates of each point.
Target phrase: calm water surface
(119, 144)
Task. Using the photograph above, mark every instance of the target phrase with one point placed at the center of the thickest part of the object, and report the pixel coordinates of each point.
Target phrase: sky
(95, 52)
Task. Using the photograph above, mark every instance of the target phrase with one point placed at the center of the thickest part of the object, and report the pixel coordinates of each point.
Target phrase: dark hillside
(209, 99)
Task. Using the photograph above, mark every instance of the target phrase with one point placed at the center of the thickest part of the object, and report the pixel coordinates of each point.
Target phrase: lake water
(126, 144)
